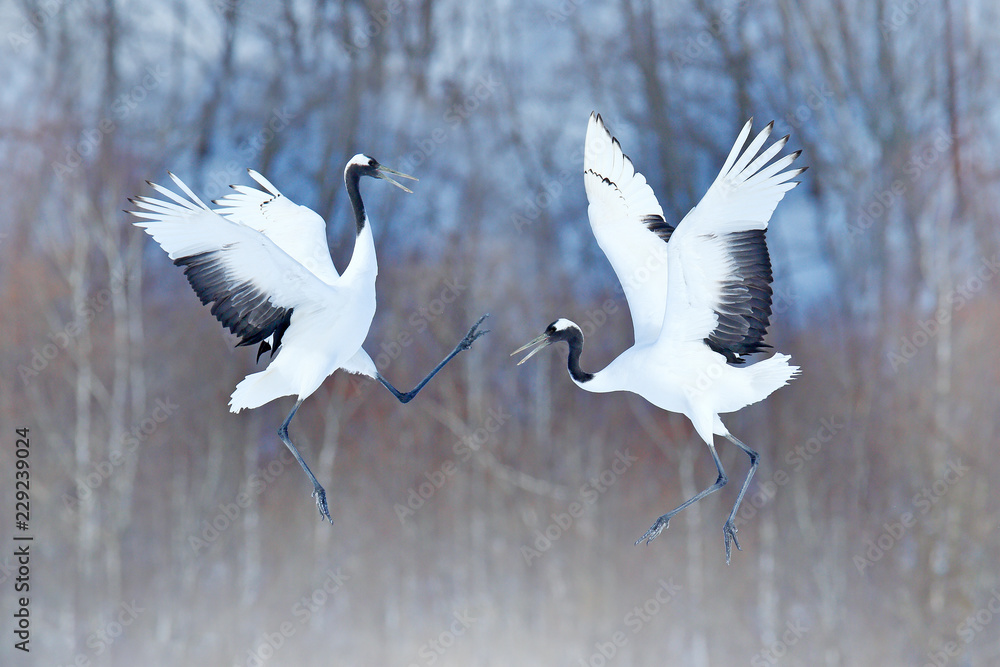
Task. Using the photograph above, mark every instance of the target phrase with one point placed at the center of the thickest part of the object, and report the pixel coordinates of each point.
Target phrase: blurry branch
(88, 588)
(951, 105)
(294, 37)
(223, 76)
(488, 460)
(641, 26)
(736, 60)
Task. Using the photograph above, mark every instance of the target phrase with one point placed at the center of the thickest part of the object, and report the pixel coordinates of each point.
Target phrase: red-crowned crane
(699, 292)
(264, 263)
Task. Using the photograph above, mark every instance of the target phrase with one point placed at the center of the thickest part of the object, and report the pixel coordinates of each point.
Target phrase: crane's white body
(675, 287)
(692, 380)
(321, 340)
(302, 365)
(264, 263)
(263, 239)
(699, 292)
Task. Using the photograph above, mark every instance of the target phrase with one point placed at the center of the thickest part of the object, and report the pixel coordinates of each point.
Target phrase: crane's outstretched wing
(253, 284)
(720, 271)
(629, 226)
(296, 229)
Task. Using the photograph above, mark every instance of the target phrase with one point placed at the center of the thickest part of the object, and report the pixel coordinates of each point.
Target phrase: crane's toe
(654, 530)
(474, 333)
(324, 510)
(729, 530)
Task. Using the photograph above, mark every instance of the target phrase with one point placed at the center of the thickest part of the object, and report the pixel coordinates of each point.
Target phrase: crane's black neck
(351, 179)
(575, 339)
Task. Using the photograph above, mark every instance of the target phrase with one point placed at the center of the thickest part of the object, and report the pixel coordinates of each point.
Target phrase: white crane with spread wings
(264, 263)
(699, 292)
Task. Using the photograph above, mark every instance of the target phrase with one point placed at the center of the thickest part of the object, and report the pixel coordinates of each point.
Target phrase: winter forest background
(171, 532)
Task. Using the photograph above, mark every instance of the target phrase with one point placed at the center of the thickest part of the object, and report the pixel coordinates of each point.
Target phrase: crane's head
(561, 329)
(362, 165)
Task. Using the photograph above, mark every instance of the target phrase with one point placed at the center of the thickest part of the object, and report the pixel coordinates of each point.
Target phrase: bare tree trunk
(250, 567)
(645, 55)
(88, 592)
(695, 557)
(120, 483)
(183, 526)
(946, 542)
(768, 598)
(337, 411)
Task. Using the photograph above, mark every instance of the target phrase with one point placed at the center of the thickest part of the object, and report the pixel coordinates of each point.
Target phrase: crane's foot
(324, 510)
(474, 333)
(654, 530)
(729, 530)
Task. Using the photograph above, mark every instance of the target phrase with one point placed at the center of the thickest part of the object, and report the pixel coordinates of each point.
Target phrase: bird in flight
(264, 263)
(699, 293)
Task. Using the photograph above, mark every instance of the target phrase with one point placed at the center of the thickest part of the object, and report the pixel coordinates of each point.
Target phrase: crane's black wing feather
(241, 307)
(744, 307)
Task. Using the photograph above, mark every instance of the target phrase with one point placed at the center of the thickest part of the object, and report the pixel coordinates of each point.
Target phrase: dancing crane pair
(699, 291)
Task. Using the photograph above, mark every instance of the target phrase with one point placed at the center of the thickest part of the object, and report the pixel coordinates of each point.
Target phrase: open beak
(542, 342)
(383, 173)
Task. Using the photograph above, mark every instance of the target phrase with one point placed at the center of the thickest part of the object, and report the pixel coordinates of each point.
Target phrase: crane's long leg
(660, 524)
(729, 529)
(464, 344)
(318, 493)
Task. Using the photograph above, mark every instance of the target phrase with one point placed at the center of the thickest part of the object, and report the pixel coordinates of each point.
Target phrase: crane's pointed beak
(542, 342)
(383, 173)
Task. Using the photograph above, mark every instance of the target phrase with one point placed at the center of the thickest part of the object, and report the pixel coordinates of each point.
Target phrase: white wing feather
(240, 268)
(701, 257)
(296, 229)
(623, 213)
